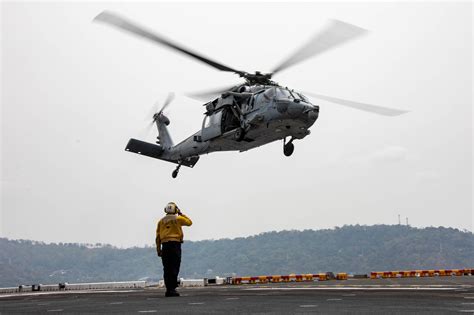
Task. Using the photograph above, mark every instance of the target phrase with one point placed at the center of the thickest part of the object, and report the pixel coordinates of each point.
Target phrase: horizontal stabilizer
(156, 152)
(144, 148)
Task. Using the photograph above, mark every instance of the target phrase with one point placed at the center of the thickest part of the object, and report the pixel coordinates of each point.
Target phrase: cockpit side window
(269, 93)
(298, 96)
(302, 97)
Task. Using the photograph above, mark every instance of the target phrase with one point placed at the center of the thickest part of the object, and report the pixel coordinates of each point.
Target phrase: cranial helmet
(171, 208)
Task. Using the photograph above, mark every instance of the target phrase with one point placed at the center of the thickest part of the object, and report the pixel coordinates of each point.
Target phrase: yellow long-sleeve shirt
(169, 228)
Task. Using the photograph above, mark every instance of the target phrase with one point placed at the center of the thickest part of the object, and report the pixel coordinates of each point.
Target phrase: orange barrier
(376, 275)
(276, 278)
(390, 274)
(341, 276)
(245, 279)
(412, 273)
(421, 273)
(345, 276)
(321, 276)
(407, 274)
(308, 277)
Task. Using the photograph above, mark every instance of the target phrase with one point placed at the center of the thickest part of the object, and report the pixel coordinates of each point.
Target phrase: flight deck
(396, 295)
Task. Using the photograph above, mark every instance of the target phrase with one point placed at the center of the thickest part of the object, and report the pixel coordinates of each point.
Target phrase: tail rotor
(157, 114)
(154, 113)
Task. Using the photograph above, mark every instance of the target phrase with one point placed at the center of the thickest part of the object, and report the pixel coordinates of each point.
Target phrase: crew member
(169, 236)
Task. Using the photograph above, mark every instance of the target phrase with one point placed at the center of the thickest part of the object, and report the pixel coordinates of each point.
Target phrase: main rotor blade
(335, 34)
(126, 25)
(361, 106)
(209, 94)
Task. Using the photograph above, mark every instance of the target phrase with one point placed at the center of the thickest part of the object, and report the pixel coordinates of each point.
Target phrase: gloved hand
(159, 252)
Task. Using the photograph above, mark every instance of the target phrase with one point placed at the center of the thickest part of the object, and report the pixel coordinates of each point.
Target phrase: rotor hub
(258, 78)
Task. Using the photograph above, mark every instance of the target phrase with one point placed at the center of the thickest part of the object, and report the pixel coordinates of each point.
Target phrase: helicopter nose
(313, 113)
(295, 108)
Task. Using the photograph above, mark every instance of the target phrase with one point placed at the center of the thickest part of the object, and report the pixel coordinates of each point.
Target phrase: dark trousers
(171, 258)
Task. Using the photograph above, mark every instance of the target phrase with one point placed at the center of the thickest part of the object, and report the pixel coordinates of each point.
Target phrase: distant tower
(407, 220)
(399, 223)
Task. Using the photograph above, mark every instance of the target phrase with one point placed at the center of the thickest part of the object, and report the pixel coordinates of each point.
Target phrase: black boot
(171, 293)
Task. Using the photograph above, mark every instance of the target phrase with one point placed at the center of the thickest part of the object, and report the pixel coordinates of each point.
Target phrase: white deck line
(64, 292)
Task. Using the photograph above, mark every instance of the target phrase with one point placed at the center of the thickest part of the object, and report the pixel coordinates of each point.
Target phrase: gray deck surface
(417, 295)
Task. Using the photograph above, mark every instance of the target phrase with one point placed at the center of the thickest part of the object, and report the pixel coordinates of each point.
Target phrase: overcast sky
(74, 92)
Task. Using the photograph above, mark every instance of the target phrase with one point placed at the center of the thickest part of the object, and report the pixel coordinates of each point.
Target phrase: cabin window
(212, 120)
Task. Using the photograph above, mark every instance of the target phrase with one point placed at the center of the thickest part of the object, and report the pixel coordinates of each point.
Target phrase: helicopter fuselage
(264, 114)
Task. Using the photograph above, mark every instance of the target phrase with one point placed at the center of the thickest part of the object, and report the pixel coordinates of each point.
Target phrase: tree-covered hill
(356, 249)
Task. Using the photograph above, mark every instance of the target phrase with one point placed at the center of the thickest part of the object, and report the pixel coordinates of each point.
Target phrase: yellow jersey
(169, 228)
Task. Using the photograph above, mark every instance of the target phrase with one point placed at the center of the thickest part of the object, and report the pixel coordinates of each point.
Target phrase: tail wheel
(176, 171)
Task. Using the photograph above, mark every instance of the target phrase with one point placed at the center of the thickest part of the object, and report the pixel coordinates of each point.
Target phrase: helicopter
(253, 113)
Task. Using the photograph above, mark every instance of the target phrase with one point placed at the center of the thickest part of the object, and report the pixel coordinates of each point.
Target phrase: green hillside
(356, 249)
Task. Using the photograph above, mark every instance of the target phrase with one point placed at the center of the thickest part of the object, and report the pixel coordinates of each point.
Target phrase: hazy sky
(74, 92)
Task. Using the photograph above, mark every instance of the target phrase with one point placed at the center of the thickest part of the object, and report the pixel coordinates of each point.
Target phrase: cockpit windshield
(299, 96)
(283, 93)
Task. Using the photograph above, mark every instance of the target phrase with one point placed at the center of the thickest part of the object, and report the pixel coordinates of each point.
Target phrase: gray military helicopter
(248, 115)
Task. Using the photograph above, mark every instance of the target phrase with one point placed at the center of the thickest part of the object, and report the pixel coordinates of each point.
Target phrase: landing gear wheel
(176, 171)
(239, 134)
(288, 149)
